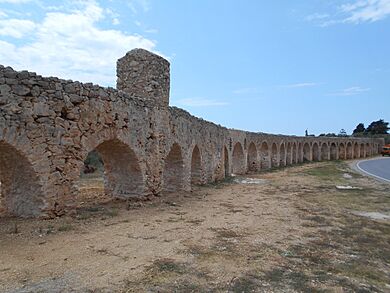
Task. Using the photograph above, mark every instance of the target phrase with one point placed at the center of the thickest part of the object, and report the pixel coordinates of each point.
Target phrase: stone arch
(196, 166)
(238, 159)
(173, 170)
(264, 156)
(349, 150)
(368, 150)
(315, 152)
(122, 172)
(282, 155)
(306, 153)
(289, 154)
(342, 151)
(300, 153)
(252, 158)
(362, 152)
(274, 156)
(324, 152)
(333, 151)
(20, 190)
(226, 165)
(294, 153)
(356, 151)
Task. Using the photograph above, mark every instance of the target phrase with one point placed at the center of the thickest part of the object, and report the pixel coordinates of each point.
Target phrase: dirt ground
(293, 232)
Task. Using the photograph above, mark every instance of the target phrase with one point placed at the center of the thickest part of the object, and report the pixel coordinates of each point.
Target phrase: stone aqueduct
(48, 126)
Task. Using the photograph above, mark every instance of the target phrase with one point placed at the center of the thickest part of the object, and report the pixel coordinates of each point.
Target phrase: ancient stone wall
(48, 126)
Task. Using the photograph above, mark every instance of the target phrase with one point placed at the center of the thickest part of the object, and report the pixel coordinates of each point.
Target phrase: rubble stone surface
(48, 126)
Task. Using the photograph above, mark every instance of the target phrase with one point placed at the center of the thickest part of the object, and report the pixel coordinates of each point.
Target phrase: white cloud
(16, 28)
(366, 10)
(200, 102)
(317, 16)
(351, 91)
(136, 5)
(358, 11)
(300, 85)
(71, 45)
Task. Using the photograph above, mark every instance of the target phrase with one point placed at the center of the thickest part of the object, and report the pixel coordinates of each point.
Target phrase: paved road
(379, 168)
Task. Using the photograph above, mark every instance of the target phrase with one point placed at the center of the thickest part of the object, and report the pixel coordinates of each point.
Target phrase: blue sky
(267, 66)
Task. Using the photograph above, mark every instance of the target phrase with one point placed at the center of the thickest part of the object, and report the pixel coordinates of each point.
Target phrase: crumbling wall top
(145, 75)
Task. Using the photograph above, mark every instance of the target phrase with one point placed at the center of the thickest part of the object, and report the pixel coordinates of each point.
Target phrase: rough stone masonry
(48, 126)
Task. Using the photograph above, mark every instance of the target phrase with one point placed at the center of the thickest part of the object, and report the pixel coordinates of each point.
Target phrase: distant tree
(378, 127)
(328, 134)
(331, 135)
(342, 133)
(359, 129)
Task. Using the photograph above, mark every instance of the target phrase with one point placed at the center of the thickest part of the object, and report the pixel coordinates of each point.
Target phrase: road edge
(355, 166)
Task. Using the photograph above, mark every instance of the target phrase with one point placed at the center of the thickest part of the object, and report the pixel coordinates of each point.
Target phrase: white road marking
(370, 174)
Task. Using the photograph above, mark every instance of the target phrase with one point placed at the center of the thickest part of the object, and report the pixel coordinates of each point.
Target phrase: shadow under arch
(349, 151)
(362, 152)
(300, 153)
(306, 153)
(294, 153)
(20, 191)
(368, 150)
(119, 167)
(356, 151)
(289, 155)
(333, 151)
(324, 152)
(196, 166)
(226, 166)
(264, 156)
(342, 151)
(282, 155)
(252, 158)
(238, 159)
(173, 170)
(274, 156)
(315, 152)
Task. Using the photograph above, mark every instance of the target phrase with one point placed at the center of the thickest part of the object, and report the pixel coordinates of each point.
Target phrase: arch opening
(300, 153)
(282, 155)
(362, 152)
(306, 153)
(274, 156)
(294, 154)
(264, 156)
(111, 170)
(173, 170)
(289, 154)
(368, 150)
(226, 162)
(333, 151)
(238, 159)
(196, 167)
(356, 151)
(252, 158)
(20, 191)
(324, 152)
(342, 151)
(349, 151)
(315, 152)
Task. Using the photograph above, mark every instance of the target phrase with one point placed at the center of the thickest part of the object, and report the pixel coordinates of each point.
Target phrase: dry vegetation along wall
(48, 126)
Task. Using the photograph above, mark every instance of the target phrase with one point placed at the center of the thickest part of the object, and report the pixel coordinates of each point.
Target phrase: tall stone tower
(145, 75)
